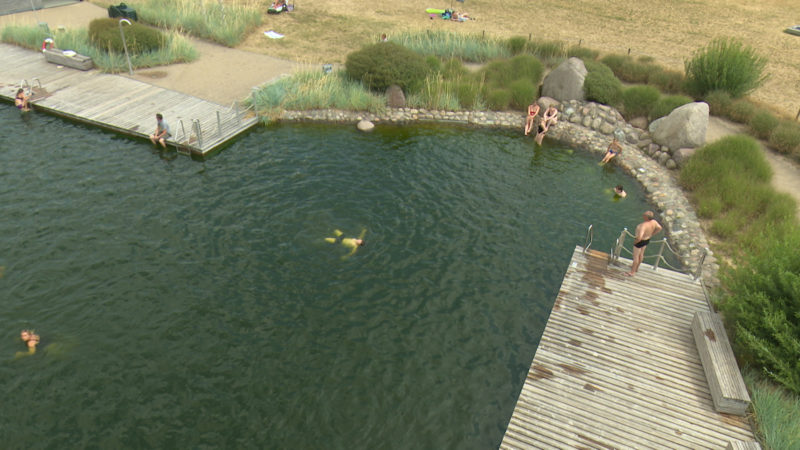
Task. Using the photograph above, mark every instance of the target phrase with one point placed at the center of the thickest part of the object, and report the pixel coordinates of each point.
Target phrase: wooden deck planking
(117, 102)
(617, 366)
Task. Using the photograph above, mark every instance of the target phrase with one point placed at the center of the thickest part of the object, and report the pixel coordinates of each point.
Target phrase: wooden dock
(617, 366)
(119, 103)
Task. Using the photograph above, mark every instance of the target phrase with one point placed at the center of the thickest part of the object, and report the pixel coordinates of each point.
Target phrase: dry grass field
(669, 30)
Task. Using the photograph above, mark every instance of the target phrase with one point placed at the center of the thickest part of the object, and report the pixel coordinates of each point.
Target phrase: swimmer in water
(620, 192)
(352, 243)
(30, 339)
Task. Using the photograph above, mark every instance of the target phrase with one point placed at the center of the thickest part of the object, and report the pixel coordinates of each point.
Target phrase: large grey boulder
(565, 82)
(684, 127)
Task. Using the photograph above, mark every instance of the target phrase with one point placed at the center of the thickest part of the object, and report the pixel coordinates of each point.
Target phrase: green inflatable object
(434, 11)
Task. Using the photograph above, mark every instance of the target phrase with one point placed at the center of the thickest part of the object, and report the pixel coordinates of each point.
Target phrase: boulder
(395, 97)
(681, 155)
(684, 127)
(365, 125)
(565, 82)
(546, 102)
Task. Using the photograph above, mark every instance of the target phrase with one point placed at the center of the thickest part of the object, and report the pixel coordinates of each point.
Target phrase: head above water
(618, 188)
(648, 215)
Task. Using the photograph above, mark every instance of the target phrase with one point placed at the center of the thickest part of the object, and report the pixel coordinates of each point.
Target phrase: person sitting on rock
(550, 116)
(614, 149)
(533, 111)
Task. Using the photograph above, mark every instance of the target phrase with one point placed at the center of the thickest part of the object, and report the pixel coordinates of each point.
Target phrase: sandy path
(785, 172)
(220, 74)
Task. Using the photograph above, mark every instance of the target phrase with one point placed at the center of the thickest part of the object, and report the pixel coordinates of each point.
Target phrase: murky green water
(187, 304)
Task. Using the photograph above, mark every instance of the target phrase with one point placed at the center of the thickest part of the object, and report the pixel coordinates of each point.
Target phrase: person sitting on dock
(162, 131)
(21, 101)
(352, 243)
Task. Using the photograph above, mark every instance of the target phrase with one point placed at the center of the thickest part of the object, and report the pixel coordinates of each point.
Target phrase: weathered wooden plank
(616, 367)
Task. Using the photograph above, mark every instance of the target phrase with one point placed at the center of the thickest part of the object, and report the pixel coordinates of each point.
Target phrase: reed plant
(176, 48)
(226, 23)
(314, 89)
(448, 44)
(725, 64)
(436, 93)
(777, 413)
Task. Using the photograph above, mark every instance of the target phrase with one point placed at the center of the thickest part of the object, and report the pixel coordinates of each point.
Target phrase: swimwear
(642, 243)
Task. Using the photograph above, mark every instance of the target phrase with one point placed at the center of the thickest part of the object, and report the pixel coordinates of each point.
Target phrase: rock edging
(588, 126)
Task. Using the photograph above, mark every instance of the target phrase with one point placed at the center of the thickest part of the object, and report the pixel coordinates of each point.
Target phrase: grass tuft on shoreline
(177, 49)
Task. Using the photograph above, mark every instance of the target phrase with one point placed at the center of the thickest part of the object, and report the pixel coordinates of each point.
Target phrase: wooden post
(529, 36)
(798, 114)
(629, 51)
(580, 41)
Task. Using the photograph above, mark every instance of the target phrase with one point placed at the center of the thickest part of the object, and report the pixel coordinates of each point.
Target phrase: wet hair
(159, 116)
(649, 215)
(619, 187)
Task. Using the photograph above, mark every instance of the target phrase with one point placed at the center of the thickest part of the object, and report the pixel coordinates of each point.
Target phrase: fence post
(660, 252)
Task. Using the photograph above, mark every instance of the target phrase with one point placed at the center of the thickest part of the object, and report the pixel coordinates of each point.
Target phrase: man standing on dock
(644, 231)
(162, 131)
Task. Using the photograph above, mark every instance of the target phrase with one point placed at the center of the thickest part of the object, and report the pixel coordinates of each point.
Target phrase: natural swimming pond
(186, 304)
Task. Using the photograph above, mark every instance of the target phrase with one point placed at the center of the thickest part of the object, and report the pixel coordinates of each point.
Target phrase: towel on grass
(273, 35)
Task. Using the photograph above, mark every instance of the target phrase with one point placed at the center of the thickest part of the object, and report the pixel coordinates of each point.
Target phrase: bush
(546, 50)
(669, 81)
(453, 68)
(434, 64)
(497, 74)
(614, 62)
(639, 100)
(786, 138)
(727, 65)
(719, 103)
(666, 104)
(381, 65)
(762, 123)
(600, 84)
(583, 53)
(741, 111)
(636, 72)
(523, 93)
(104, 34)
(468, 95)
(516, 44)
(764, 301)
(738, 157)
(498, 99)
(526, 67)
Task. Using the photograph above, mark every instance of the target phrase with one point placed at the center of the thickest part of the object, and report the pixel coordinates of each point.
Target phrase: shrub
(738, 157)
(583, 53)
(526, 67)
(725, 64)
(516, 44)
(719, 103)
(669, 81)
(635, 72)
(546, 50)
(434, 64)
(600, 84)
(762, 123)
(498, 99)
(666, 104)
(764, 300)
(639, 100)
(383, 64)
(741, 111)
(104, 34)
(786, 138)
(523, 92)
(468, 95)
(497, 73)
(614, 62)
(453, 69)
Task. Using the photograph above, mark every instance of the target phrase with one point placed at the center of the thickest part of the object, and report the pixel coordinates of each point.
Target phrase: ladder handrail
(619, 246)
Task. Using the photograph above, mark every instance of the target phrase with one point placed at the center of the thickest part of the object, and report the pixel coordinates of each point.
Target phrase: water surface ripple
(188, 304)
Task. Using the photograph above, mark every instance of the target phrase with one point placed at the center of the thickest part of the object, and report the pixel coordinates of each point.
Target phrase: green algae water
(187, 304)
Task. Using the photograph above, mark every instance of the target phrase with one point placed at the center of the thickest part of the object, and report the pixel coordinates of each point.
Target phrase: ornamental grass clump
(449, 44)
(637, 101)
(762, 123)
(105, 34)
(786, 138)
(725, 64)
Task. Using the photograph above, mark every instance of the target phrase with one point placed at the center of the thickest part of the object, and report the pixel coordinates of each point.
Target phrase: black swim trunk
(642, 243)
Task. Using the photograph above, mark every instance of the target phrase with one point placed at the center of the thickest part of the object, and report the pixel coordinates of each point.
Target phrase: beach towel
(273, 35)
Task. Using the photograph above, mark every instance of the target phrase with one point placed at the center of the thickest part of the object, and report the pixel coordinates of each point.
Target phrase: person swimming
(31, 339)
(21, 101)
(620, 192)
(351, 243)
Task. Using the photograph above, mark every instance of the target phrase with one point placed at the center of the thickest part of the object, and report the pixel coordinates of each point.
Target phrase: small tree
(727, 65)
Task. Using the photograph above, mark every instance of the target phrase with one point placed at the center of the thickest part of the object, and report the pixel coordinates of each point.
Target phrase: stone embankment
(588, 126)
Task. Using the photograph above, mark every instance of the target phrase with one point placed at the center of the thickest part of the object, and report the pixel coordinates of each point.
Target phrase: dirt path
(785, 172)
(219, 74)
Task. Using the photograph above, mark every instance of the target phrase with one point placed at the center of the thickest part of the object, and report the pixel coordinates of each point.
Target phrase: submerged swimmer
(352, 243)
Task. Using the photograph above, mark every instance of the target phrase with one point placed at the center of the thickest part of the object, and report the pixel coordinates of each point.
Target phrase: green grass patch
(225, 23)
(719, 103)
(448, 44)
(777, 413)
(639, 100)
(741, 110)
(762, 123)
(786, 138)
(314, 90)
(176, 48)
